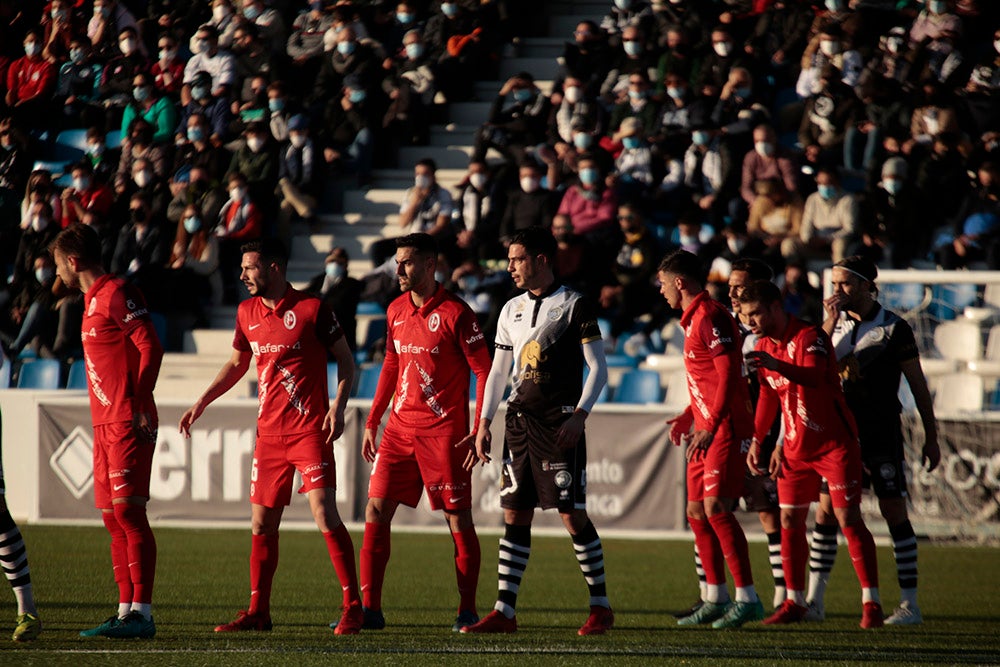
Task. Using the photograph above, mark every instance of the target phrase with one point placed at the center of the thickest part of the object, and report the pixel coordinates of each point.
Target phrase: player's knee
(893, 510)
(459, 520)
(789, 520)
(848, 516)
(378, 510)
(715, 506)
(575, 521)
(696, 511)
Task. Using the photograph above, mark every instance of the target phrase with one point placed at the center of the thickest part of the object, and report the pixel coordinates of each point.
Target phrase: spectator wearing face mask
(517, 120)
(828, 51)
(591, 203)
(193, 274)
(117, 80)
(268, 23)
(254, 67)
(299, 167)
(194, 149)
(892, 225)
(211, 59)
(78, 87)
(677, 56)
(712, 176)
(633, 174)
(457, 41)
(716, 65)
(767, 160)
(631, 60)
(776, 219)
(305, 42)
(587, 59)
(894, 61)
(86, 200)
(346, 132)
(142, 251)
(528, 205)
(49, 324)
(350, 58)
(138, 145)
(738, 110)
(201, 191)
(215, 110)
(826, 118)
(257, 161)
(241, 220)
(61, 24)
(410, 85)
(110, 19)
(936, 28)
(340, 291)
(478, 207)
(636, 102)
(841, 14)
(168, 70)
(38, 231)
(148, 104)
(680, 112)
(624, 14)
(30, 82)
(223, 23)
(830, 219)
(576, 108)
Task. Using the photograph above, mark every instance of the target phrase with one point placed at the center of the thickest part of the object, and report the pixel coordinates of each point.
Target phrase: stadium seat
(331, 379)
(904, 298)
(664, 362)
(370, 308)
(39, 374)
(113, 140)
(959, 392)
(160, 324)
(70, 146)
(375, 332)
(950, 301)
(55, 167)
(639, 386)
(368, 381)
(960, 340)
(621, 361)
(77, 378)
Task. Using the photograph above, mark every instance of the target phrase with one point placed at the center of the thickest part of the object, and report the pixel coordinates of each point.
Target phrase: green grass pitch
(202, 580)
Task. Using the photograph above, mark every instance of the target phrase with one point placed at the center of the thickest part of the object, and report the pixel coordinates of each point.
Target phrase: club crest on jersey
(290, 320)
(434, 322)
(92, 307)
(563, 479)
(555, 314)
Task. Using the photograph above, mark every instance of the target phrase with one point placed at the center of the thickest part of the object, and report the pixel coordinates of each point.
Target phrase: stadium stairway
(372, 213)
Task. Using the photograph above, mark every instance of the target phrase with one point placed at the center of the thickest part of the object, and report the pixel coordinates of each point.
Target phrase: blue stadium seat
(639, 386)
(901, 297)
(4, 373)
(70, 146)
(375, 332)
(370, 308)
(77, 378)
(39, 374)
(621, 361)
(113, 140)
(949, 301)
(368, 381)
(160, 324)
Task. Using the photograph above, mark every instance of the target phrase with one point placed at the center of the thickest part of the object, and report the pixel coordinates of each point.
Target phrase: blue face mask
(582, 141)
(700, 137)
(633, 48)
(631, 143)
(449, 8)
(892, 185)
(404, 17)
(414, 51)
(251, 13)
(834, 5)
(357, 96)
(276, 104)
(192, 224)
(588, 176)
(76, 55)
(522, 95)
(199, 92)
(196, 134)
(335, 270)
(827, 192)
(346, 48)
(140, 93)
(637, 94)
(743, 93)
(675, 93)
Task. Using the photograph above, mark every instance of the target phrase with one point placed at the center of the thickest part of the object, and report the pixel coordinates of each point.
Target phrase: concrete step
(486, 91)
(540, 68)
(392, 178)
(190, 388)
(215, 342)
(373, 202)
(470, 113)
(448, 157)
(543, 47)
(453, 135)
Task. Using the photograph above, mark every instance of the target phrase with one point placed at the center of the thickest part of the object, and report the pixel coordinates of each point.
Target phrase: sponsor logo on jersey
(475, 338)
(791, 349)
(563, 479)
(411, 348)
(290, 320)
(272, 348)
(135, 314)
(130, 304)
(89, 334)
(434, 322)
(531, 358)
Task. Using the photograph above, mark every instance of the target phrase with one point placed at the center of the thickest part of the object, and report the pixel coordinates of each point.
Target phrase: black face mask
(138, 215)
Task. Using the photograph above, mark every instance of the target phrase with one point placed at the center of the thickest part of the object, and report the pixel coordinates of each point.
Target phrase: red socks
(794, 554)
(467, 557)
(710, 551)
(734, 547)
(119, 557)
(861, 544)
(263, 563)
(341, 548)
(375, 550)
(141, 550)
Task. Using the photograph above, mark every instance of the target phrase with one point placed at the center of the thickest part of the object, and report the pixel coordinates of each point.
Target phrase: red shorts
(277, 457)
(840, 465)
(406, 464)
(122, 463)
(722, 470)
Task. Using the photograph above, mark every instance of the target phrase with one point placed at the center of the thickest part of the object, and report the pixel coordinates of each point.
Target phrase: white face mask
(219, 13)
(573, 94)
(736, 244)
(723, 49)
(44, 274)
(996, 46)
(255, 143)
(529, 184)
(829, 47)
(298, 140)
(422, 181)
(38, 223)
(764, 148)
(142, 178)
(127, 46)
(237, 194)
(478, 181)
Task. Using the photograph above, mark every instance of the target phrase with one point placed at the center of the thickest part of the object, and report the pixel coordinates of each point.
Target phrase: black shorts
(882, 458)
(537, 473)
(760, 492)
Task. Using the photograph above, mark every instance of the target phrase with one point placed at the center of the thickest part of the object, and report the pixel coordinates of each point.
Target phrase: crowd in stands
(796, 131)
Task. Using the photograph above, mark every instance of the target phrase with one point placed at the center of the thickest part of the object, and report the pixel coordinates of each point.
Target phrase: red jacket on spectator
(589, 215)
(175, 69)
(96, 200)
(29, 78)
(240, 221)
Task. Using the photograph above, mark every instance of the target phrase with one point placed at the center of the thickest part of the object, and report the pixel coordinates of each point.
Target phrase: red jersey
(711, 335)
(429, 353)
(30, 78)
(815, 414)
(289, 344)
(121, 350)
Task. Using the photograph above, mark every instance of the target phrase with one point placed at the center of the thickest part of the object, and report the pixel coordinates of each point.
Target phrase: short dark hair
(537, 241)
(763, 292)
(79, 240)
(271, 251)
(755, 268)
(421, 242)
(683, 263)
(429, 163)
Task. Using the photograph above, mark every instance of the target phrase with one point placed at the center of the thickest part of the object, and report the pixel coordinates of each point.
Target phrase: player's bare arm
(832, 305)
(229, 375)
(570, 430)
(753, 458)
(774, 467)
(680, 426)
(925, 406)
(333, 422)
(480, 452)
(368, 446)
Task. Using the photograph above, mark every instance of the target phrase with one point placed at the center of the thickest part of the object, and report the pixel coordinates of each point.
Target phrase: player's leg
(340, 547)
(468, 558)
(794, 551)
(590, 555)
(14, 559)
(376, 547)
(131, 515)
(716, 595)
(904, 545)
(822, 555)
(699, 571)
(770, 522)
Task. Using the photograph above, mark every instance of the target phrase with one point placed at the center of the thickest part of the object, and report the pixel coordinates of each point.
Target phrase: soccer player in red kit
(433, 341)
(718, 425)
(289, 333)
(798, 372)
(123, 356)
